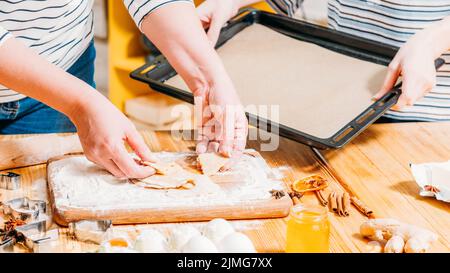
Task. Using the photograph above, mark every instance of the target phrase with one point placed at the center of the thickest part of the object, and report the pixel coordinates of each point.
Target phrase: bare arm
(24, 71)
(177, 32)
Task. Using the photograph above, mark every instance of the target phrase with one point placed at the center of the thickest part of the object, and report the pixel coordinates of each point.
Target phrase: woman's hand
(214, 14)
(103, 132)
(223, 127)
(415, 64)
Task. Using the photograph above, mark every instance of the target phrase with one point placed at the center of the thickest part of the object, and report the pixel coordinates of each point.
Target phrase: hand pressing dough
(211, 163)
(199, 244)
(236, 242)
(169, 175)
(151, 241)
(181, 235)
(217, 229)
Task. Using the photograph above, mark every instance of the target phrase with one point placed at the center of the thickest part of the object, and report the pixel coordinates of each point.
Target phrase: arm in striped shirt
(139, 9)
(285, 7)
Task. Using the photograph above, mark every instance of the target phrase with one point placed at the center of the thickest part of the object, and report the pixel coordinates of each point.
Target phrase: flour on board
(78, 183)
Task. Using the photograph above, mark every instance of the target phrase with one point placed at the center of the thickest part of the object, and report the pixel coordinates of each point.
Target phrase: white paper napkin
(433, 179)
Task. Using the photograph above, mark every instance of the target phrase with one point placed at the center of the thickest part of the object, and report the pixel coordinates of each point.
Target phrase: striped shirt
(394, 22)
(58, 30)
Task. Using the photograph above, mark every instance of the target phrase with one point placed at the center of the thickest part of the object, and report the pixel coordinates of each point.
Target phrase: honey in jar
(308, 230)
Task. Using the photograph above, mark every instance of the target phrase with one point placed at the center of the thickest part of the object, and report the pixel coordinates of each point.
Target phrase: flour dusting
(78, 183)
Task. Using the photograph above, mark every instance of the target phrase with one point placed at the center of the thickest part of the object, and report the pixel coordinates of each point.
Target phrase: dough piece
(180, 236)
(236, 242)
(165, 182)
(211, 163)
(169, 175)
(199, 244)
(164, 167)
(217, 229)
(151, 241)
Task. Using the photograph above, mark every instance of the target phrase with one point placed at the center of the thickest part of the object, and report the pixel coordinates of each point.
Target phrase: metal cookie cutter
(10, 181)
(36, 237)
(90, 231)
(25, 209)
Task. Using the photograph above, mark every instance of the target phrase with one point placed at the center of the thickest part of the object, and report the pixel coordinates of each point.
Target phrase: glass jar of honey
(308, 230)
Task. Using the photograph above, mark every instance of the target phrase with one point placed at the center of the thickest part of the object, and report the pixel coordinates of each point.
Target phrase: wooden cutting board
(79, 190)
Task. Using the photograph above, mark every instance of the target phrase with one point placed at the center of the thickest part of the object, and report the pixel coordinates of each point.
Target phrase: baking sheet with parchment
(80, 190)
(318, 91)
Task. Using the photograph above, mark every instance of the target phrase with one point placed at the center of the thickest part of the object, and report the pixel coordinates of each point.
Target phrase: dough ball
(151, 241)
(199, 244)
(217, 229)
(181, 235)
(236, 242)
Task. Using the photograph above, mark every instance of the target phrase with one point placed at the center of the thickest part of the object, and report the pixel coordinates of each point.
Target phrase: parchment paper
(318, 91)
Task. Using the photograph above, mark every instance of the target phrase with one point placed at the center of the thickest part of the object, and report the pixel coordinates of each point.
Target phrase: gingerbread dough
(169, 175)
(211, 163)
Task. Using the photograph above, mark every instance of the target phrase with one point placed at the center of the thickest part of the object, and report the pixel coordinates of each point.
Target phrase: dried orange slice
(309, 184)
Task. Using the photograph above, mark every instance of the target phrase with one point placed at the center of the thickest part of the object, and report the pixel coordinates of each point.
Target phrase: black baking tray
(157, 71)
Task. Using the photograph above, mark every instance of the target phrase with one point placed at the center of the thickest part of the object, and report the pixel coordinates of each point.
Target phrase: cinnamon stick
(332, 201)
(363, 208)
(340, 209)
(346, 203)
(320, 196)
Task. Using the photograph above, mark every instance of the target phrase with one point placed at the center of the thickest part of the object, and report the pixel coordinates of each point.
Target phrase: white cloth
(433, 175)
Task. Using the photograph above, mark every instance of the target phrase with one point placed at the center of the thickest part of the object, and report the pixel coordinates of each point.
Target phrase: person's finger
(227, 134)
(215, 27)
(389, 82)
(128, 166)
(202, 146)
(138, 145)
(410, 93)
(213, 147)
(106, 164)
(110, 166)
(202, 13)
(241, 132)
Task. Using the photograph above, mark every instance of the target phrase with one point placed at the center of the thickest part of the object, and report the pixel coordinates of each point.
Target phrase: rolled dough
(169, 175)
(211, 163)
(318, 91)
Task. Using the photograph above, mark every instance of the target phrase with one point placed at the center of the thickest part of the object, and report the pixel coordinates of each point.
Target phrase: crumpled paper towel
(433, 179)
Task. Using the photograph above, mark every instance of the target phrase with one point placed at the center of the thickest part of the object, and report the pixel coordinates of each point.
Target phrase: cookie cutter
(36, 236)
(90, 231)
(6, 245)
(10, 181)
(25, 209)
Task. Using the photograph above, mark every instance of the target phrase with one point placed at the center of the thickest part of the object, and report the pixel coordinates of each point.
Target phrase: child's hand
(103, 132)
(223, 127)
(415, 64)
(214, 14)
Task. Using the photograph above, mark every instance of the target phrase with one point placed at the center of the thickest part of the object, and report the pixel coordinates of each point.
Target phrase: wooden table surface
(374, 166)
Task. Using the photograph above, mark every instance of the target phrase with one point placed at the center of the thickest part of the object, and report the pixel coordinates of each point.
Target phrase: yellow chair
(127, 54)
